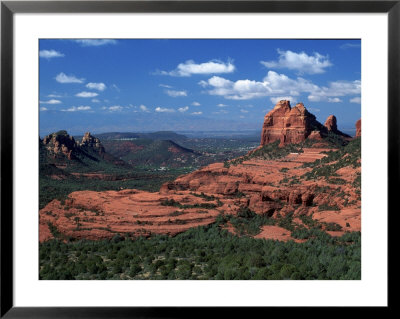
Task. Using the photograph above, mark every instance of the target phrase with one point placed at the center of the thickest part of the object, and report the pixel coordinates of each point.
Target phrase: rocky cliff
(91, 142)
(358, 128)
(60, 143)
(289, 125)
(331, 126)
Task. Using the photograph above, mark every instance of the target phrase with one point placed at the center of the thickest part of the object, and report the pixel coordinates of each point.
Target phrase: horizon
(193, 85)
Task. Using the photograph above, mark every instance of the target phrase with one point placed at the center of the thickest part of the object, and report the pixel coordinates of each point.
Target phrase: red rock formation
(60, 143)
(331, 126)
(358, 128)
(265, 187)
(92, 142)
(288, 125)
(331, 123)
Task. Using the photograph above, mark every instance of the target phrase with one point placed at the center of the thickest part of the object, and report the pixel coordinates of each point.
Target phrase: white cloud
(116, 108)
(244, 111)
(222, 105)
(63, 78)
(196, 103)
(197, 113)
(334, 100)
(52, 101)
(334, 90)
(174, 93)
(302, 62)
(95, 42)
(43, 108)
(211, 67)
(54, 95)
(278, 85)
(96, 86)
(275, 100)
(164, 110)
(166, 86)
(48, 54)
(77, 108)
(313, 109)
(356, 100)
(183, 109)
(144, 108)
(96, 101)
(86, 94)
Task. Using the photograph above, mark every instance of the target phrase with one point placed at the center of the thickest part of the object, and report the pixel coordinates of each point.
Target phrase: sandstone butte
(62, 143)
(358, 128)
(271, 187)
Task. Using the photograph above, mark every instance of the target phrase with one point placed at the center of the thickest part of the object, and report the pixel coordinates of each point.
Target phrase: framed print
(163, 155)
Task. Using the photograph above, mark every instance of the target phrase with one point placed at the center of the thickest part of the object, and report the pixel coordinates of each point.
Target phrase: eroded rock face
(60, 143)
(331, 126)
(288, 125)
(269, 188)
(92, 142)
(331, 123)
(358, 128)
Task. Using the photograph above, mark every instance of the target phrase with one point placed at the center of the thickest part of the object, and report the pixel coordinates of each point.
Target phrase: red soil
(266, 187)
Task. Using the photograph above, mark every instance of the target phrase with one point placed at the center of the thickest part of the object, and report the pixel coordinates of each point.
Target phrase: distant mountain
(161, 135)
(147, 152)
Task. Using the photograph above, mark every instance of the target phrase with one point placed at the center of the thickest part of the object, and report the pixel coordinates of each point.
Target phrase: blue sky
(193, 85)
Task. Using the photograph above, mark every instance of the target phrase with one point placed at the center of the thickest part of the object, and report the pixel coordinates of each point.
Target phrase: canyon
(297, 172)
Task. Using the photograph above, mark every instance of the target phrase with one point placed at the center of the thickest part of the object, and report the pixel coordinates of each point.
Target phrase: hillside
(146, 152)
(161, 135)
(302, 198)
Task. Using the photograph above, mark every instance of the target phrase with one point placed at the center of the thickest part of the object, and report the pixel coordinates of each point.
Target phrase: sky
(132, 85)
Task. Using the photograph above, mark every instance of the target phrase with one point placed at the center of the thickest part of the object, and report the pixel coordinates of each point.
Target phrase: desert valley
(135, 206)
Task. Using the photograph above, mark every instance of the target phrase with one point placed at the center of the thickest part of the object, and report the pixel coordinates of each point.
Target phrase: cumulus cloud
(96, 86)
(211, 67)
(197, 113)
(77, 108)
(115, 108)
(144, 108)
(52, 101)
(166, 86)
(86, 94)
(334, 90)
(63, 78)
(95, 101)
(244, 111)
(164, 110)
(49, 54)
(301, 62)
(277, 86)
(174, 93)
(356, 100)
(43, 108)
(222, 105)
(334, 100)
(196, 103)
(183, 109)
(54, 95)
(95, 42)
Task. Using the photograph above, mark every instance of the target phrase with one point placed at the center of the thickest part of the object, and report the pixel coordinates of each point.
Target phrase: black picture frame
(9, 8)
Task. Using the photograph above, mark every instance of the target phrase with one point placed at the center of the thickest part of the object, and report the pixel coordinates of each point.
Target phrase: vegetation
(207, 252)
(327, 166)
